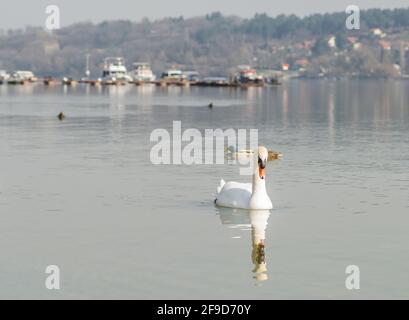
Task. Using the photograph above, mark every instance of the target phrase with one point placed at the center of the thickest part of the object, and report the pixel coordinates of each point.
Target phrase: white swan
(247, 195)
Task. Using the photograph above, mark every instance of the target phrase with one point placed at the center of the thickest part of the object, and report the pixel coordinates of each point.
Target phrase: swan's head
(262, 161)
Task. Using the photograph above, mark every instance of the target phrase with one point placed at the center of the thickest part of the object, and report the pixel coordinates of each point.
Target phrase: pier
(115, 74)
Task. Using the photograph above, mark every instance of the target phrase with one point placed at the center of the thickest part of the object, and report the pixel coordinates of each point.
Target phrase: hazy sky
(20, 13)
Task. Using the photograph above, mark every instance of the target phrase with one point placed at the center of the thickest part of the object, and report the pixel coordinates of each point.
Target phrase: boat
(49, 81)
(4, 76)
(15, 79)
(142, 73)
(21, 77)
(96, 82)
(213, 82)
(248, 76)
(114, 71)
(93, 82)
(192, 76)
(173, 74)
(26, 75)
(173, 77)
(68, 81)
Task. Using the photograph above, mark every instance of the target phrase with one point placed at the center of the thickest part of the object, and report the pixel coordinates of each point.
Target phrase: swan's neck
(259, 197)
(259, 185)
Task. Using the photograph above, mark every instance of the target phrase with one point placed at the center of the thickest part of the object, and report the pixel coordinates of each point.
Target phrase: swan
(247, 195)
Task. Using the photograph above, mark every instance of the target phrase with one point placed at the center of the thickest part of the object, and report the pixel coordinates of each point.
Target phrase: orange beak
(262, 173)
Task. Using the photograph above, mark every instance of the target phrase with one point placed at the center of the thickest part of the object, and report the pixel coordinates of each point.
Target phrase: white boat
(175, 75)
(4, 75)
(142, 72)
(114, 71)
(248, 76)
(21, 77)
(26, 75)
(16, 78)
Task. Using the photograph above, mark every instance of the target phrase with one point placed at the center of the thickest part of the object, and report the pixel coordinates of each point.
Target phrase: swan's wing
(221, 185)
(234, 195)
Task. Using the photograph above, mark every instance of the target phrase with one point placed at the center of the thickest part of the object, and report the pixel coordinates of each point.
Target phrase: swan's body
(234, 194)
(246, 195)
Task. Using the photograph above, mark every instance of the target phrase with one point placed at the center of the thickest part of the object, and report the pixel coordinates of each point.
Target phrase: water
(82, 194)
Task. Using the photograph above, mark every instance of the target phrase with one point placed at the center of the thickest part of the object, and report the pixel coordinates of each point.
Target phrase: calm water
(82, 194)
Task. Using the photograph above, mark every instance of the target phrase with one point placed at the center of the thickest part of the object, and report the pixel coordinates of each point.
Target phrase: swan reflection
(256, 221)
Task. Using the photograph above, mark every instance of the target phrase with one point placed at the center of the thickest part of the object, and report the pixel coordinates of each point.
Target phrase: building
(285, 66)
(332, 42)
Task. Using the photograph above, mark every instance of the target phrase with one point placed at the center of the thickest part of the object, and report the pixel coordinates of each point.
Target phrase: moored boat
(21, 77)
(248, 76)
(173, 77)
(3, 76)
(28, 76)
(68, 81)
(142, 73)
(115, 72)
(16, 80)
(49, 81)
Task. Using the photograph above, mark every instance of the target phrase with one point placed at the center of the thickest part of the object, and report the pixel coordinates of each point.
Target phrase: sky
(21, 13)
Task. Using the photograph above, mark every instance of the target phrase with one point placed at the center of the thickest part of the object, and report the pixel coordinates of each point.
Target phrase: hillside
(214, 43)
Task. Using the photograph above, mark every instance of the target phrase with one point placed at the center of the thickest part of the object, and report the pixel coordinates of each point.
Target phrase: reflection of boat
(142, 72)
(114, 71)
(257, 220)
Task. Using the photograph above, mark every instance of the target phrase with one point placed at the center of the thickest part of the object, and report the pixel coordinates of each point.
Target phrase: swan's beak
(262, 173)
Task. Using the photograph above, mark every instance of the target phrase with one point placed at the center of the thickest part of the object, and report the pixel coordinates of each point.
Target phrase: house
(285, 66)
(385, 45)
(378, 33)
(332, 43)
(357, 46)
(308, 44)
(353, 42)
(302, 63)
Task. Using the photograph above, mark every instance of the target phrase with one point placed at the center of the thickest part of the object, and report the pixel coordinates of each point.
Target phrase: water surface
(82, 193)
